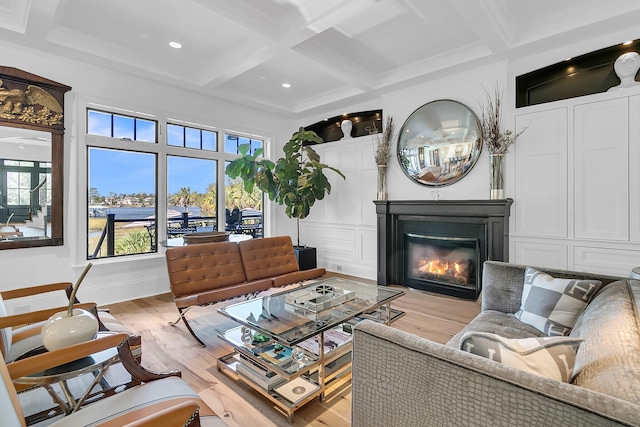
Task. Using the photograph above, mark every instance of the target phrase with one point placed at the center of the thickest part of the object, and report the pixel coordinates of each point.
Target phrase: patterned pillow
(553, 305)
(550, 357)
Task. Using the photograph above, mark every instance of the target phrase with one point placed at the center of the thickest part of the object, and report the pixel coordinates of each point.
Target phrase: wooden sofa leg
(184, 319)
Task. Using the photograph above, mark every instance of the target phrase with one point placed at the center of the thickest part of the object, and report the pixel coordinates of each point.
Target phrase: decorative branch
(496, 141)
(384, 141)
(72, 297)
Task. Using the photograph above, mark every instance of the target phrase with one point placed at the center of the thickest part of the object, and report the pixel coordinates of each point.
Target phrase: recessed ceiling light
(175, 45)
(628, 42)
(286, 85)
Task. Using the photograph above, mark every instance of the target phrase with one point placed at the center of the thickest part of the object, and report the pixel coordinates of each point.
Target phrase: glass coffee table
(277, 347)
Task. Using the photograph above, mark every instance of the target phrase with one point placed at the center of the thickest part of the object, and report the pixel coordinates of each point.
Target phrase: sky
(129, 172)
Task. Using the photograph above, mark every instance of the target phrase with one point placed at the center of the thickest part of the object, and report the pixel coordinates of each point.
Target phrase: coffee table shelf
(273, 327)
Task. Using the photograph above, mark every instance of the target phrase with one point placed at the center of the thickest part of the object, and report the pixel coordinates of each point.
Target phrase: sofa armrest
(402, 379)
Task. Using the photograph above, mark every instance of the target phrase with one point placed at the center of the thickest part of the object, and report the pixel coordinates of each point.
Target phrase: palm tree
(185, 197)
(207, 201)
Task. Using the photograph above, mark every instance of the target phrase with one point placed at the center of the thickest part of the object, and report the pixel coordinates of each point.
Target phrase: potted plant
(295, 181)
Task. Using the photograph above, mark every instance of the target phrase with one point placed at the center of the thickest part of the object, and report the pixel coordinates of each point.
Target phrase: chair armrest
(40, 315)
(136, 370)
(35, 290)
(51, 359)
(181, 414)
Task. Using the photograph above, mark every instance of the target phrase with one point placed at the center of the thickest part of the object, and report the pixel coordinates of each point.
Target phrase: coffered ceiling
(332, 52)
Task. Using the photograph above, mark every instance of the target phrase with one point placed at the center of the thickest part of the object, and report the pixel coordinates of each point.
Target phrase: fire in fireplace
(442, 260)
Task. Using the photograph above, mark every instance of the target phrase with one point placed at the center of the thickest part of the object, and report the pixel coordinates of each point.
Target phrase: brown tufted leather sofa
(208, 273)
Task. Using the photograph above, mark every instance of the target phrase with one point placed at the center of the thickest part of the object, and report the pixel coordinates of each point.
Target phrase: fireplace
(447, 261)
(440, 246)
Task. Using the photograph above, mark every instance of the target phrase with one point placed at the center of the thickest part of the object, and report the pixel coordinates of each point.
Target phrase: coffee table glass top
(297, 314)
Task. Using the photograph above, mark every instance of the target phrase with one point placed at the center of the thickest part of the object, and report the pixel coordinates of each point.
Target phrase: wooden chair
(20, 333)
(162, 400)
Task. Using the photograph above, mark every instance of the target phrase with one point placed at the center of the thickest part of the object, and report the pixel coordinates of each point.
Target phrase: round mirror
(439, 143)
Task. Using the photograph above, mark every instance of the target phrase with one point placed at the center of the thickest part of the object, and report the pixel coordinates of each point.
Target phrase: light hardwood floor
(165, 347)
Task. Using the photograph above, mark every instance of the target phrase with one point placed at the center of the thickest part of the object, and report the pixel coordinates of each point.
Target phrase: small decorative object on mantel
(626, 68)
(496, 141)
(382, 155)
(72, 326)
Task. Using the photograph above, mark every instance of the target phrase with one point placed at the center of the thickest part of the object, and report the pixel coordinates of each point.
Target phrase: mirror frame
(15, 81)
(410, 131)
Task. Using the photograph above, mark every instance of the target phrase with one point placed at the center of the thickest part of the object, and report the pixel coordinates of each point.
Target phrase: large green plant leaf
(296, 180)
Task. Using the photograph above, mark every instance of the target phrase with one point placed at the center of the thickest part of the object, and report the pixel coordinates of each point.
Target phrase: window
(124, 184)
(121, 185)
(188, 137)
(243, 211)
(130, 157)
(191, 195)
(101, 123)
(232, 142)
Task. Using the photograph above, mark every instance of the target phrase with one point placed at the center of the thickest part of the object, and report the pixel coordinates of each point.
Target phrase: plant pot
(306, 257)
(62, 331)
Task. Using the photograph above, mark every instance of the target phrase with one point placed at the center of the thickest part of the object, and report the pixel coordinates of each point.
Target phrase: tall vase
(497, 176)
(382, 182)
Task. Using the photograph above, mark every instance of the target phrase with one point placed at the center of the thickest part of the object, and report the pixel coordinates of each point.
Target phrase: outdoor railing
(175, 227)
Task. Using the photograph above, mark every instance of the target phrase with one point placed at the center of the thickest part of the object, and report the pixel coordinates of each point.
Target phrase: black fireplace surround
(458, 235)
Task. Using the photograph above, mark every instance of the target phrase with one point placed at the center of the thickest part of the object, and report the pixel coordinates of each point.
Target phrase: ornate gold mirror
(439, 143)
(31, 160)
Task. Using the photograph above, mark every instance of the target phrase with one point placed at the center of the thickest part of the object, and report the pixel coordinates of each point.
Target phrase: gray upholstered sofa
(400, 379)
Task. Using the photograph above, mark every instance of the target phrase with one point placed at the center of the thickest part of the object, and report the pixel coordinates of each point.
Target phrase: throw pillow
(553, 305)
(550, 357)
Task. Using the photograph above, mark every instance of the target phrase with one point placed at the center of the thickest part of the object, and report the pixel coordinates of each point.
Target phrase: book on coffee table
(296, 390)
(266, 380)
(333, 338)
(275, 353)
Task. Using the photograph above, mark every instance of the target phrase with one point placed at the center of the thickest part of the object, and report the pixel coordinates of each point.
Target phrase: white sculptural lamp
(72, 326)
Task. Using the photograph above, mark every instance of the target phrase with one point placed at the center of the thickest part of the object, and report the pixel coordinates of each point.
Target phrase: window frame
(163, 150)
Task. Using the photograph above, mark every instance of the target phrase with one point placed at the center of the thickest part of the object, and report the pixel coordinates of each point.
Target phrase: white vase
(62, 331)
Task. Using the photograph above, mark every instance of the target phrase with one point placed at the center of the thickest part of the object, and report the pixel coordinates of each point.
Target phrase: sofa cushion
(496, 322)
(609, 359)
(199, 268)
(268, 257)
(552, 305)
(550, 357)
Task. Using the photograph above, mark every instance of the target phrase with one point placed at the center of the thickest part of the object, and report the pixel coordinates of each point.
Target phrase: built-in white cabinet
(601, 170)
(577, 184)
(541, 163)
(343, 228)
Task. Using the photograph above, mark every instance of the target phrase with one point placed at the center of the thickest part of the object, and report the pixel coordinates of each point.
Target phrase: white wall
(110, 280)
(343, 226)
